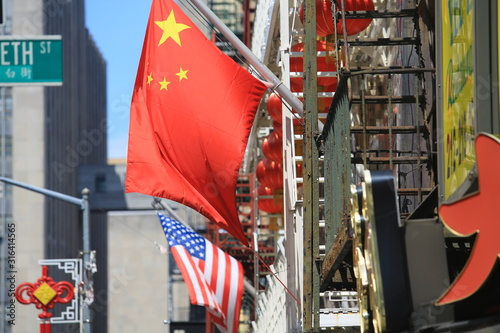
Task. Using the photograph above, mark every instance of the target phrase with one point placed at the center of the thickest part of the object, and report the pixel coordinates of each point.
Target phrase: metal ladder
(384, 118)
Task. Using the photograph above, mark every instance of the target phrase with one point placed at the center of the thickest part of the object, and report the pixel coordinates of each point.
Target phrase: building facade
(382, 150)
(48, 133)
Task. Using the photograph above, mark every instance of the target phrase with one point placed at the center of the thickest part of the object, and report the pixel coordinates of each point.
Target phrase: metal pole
(49, 193)
(84, 205)
(284, 92)
(86, 257)
(169, 292)
(311, 174)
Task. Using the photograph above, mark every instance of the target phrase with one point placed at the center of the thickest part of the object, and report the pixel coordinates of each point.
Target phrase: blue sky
(118, 27)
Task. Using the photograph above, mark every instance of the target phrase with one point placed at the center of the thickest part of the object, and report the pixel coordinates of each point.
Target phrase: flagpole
(277, 85)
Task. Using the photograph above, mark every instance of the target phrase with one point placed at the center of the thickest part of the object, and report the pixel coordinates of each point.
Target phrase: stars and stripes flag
(213, 278)
(190, 118)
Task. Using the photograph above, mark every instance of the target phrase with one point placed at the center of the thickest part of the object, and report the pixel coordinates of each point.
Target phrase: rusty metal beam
(385, 129)
(395, 159)
(384, 99)
(335, 255)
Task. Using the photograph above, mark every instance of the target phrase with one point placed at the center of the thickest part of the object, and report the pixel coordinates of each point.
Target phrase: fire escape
(375, 110)
(381, 122)
(374, 103)
(382, 118)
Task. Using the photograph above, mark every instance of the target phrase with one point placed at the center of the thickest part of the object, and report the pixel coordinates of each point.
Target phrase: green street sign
(35, 60)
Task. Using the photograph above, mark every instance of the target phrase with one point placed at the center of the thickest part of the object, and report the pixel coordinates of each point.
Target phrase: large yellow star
(171, 29)
(182, 74)
(164, 84)
(150, 78)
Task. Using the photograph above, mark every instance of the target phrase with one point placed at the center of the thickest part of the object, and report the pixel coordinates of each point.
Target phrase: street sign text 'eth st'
(34, 60)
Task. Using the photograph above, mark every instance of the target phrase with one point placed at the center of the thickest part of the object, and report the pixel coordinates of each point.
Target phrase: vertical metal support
(419, 152)
(364, 119)
(169, 291)
(344, 28)
(256, 234)
(87, 328)
(390, 115)
(440, 81)
(256, 265)
(311, 170)
(293, 223)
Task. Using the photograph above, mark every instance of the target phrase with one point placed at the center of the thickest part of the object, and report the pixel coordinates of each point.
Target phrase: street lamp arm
(50, 193)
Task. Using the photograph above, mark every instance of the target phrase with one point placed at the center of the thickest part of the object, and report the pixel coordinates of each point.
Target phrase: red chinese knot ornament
(45, 293)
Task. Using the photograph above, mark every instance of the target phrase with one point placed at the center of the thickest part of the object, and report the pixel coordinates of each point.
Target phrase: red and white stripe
(216, 282)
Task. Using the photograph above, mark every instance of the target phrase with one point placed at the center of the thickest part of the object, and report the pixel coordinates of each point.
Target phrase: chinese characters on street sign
(36, 60)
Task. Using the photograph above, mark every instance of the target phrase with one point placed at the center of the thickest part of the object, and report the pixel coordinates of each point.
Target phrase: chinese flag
(191, 114)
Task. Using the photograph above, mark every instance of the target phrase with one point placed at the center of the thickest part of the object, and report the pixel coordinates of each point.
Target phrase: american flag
(214, 279)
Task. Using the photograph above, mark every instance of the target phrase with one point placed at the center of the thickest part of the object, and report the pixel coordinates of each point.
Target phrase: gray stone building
(48, 133)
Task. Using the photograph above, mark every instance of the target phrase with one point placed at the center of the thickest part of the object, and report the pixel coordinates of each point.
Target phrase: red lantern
(270, 174)
(324, 64)
(272, 147)
(324, 17)
(355, 26)
(274, 106)
(277, 128)
(269, 205)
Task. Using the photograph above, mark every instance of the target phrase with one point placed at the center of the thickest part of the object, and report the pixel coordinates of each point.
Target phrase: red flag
(191, 114)
(213, 278)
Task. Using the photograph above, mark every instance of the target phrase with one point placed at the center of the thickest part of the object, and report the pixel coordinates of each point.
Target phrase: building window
(8, 145)
(100, 183)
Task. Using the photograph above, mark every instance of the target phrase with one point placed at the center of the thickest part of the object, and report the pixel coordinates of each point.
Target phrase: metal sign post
(84, 204)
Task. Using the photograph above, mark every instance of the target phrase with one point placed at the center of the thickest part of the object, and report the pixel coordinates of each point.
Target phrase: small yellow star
(150, 78)
(182, 74)
(171, 29)
(164, 84)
